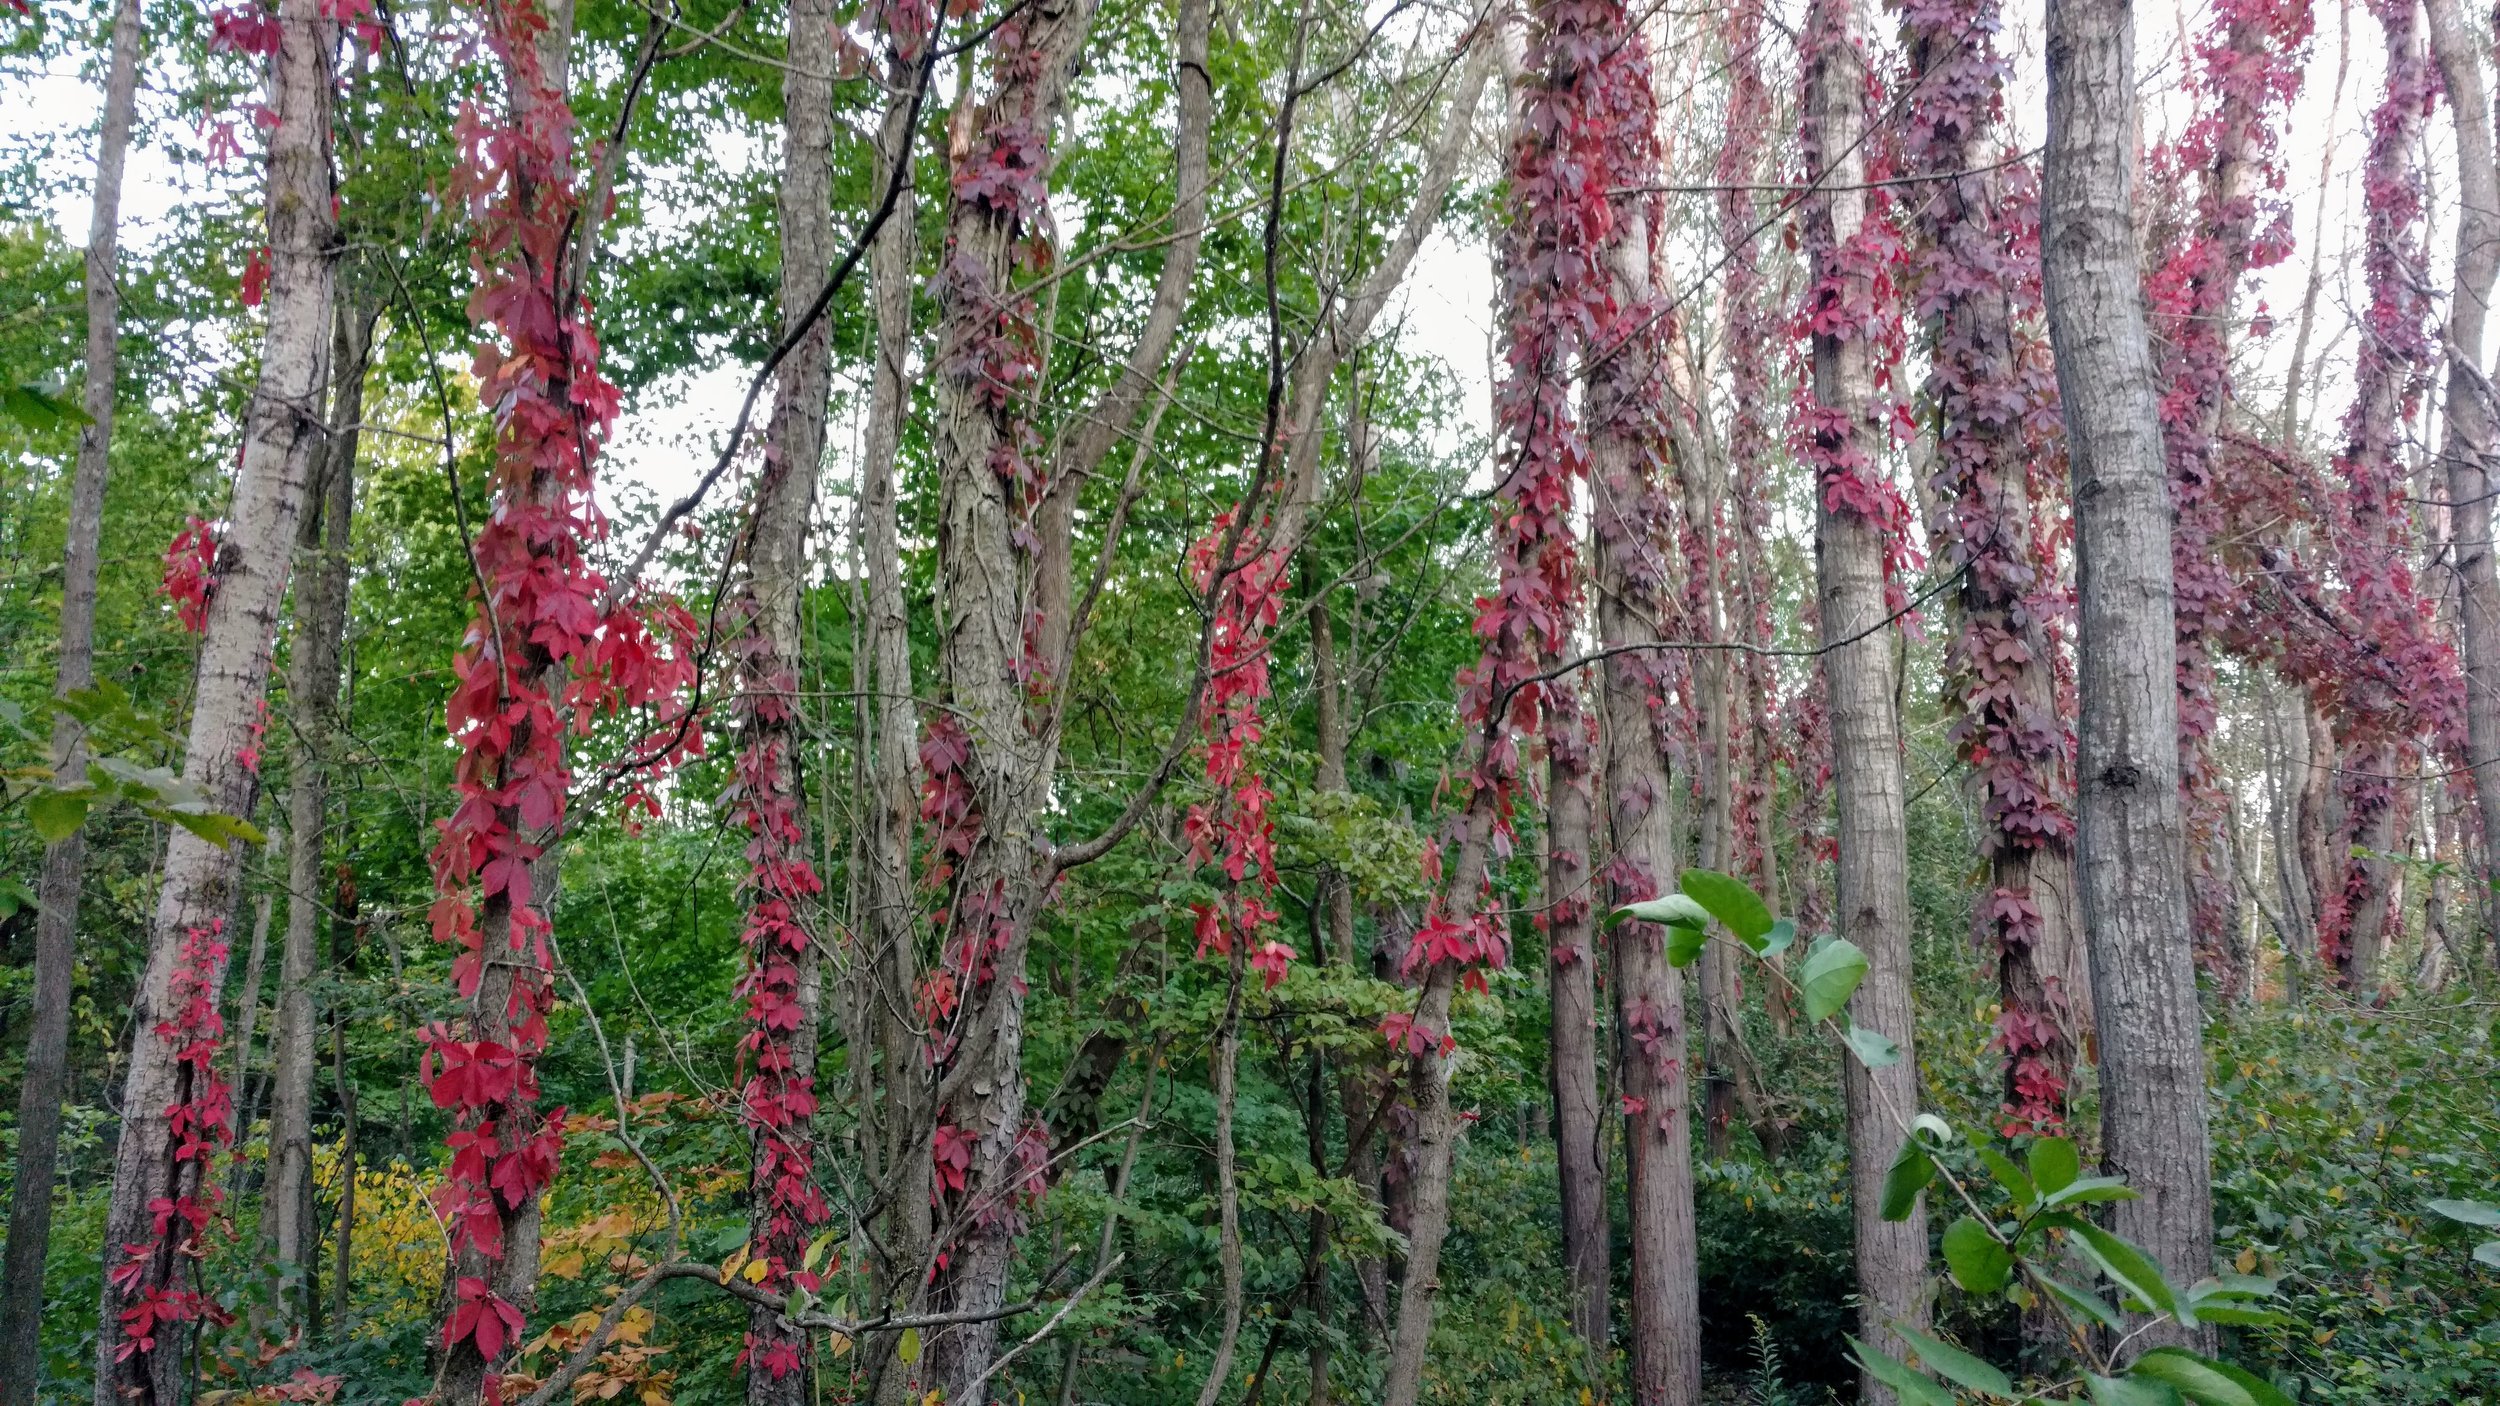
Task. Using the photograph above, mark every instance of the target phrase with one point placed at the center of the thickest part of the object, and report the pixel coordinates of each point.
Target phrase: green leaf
(1674, 910)
(2231, 1286)
(1979, 1264)
(215, 827)
(56, 815)
(2488, 1253)
(1909, 1385)
(2054, 1165)
(2468, 1212)
(1684, 944)
(1782, 935)
(1874, 1050)
(907, 1347)
(2133, 1271)
(1832, 971)
(2082, 1302)
(2121, 1391)
(2263, 1392)
(1955, 1365)
(2191, 1376)
(2016, 1183)
(2088, 1191)
(1912, 1169)
(39, 409)
(1731, 902)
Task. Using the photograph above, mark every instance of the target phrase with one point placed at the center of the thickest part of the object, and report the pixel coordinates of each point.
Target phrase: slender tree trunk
(247, 1009)
(1571, 975)
(1987, 382)
(312, 695)
(1650, 1035)
(779, 1097)
(2469, 413)
(1634, 453)
(891, 1084)
(2129, 859)
(44, 1090)
(1861, 679)
(992, 762)
(186, 949)
(343, 1244)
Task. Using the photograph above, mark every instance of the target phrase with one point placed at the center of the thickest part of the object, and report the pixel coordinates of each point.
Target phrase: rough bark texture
(42, 1091)
(781, 889)
(878, 993)
(1650, 1034)
(981, 433)
(2467, 449)
(1987, 389)
(283, 433)
(1571, 976)
(312, 696)
(2129, 857)
(1633, 475)
(1862, 684)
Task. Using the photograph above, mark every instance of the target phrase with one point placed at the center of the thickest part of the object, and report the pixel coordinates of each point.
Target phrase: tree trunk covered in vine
(1990, 402)
(990, 765)
(42, 1089)
(2128, 851)
(782, 984)
(1855, 582)
(154, 1160)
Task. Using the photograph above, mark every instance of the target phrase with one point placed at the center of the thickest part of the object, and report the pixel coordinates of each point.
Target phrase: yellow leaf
(756, 1270)
(907, 1347)
(1585, 1398)
(2246, 1263)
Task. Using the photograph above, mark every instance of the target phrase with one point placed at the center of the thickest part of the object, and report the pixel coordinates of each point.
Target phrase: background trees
(955, 698)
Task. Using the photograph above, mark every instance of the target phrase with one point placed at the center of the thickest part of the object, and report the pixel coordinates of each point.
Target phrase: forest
(1118, 702)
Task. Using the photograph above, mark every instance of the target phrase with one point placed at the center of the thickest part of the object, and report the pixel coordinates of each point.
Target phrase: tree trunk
(1650, 1035)
(781, 981)
(186, 950)
(2467, 447)
(1571, 975)
(2129, 855)
(312, 695)
(43, 1089)
(990, 767)
(890, 1078)
(343, 1245)
(1862, 682)
(247, 1009)
(1986, 384)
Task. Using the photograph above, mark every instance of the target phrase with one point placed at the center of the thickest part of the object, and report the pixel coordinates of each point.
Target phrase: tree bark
(282, 438)
(981, 429)
(781, 888)
(1986, 385)
(44, 1087)
(313, 694)
(2129, 860)
(247, 1009)
(1862, 683)
(890, 1078)
(2466, 450)
(1571, 978)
